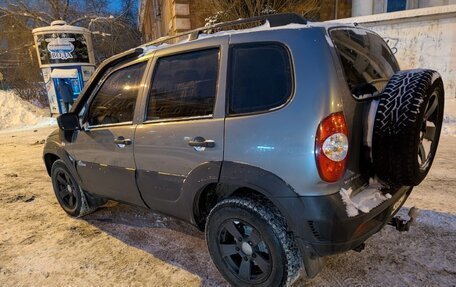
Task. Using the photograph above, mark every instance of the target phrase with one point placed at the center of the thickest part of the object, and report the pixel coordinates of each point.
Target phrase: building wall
(424, 38)
(335, 9)
(369, 7)
(199, 11)
(158, 18)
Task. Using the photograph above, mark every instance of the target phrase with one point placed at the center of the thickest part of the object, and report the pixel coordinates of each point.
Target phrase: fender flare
(55, 146)
(230, 177)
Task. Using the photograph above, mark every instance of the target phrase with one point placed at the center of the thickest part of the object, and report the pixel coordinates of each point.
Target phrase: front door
(184, 126)
(104, 149)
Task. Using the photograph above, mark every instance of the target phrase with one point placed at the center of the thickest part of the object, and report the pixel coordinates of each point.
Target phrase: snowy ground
(129, 246)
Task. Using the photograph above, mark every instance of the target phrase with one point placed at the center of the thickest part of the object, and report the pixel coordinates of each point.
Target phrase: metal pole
(337, 10)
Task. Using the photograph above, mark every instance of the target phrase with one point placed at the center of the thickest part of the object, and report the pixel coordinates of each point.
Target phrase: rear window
(260, 77)
(365, 57)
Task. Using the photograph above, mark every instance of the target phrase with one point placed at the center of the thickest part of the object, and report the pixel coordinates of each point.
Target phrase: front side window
(116, 99)
(260, 77)
(184, 85)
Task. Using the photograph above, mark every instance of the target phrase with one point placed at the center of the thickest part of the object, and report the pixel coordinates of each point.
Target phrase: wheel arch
(49, 159)
(53, 151)
(245, 181)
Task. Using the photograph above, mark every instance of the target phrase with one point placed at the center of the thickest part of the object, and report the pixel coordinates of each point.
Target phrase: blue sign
(61, 48)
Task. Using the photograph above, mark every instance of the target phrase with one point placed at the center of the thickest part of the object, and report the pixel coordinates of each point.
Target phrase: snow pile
(16, 113)
(364, 201)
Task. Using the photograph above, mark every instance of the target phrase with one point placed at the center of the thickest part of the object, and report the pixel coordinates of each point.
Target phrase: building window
(396, 5)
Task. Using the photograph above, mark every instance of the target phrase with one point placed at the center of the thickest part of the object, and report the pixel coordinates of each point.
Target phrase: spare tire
(407, 127)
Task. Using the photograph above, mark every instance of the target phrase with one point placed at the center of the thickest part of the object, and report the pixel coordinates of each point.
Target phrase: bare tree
(111, 33)
(225, 10)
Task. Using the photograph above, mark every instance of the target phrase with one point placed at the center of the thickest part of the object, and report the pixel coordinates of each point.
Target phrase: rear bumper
(322, 227)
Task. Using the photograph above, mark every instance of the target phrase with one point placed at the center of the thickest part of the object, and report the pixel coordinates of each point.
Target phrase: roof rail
(274, 20)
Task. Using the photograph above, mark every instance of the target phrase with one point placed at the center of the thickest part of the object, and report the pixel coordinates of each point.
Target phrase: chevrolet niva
(285, 143)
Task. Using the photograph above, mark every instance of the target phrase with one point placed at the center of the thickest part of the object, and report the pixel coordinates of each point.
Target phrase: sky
(116, 5)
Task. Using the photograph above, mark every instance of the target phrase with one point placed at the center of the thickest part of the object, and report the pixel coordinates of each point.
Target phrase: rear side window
(260, 77)
(184, 85)
(365, 58)
(116, 99)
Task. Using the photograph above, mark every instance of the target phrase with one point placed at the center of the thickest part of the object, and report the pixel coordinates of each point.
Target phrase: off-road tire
(398, 125)
(286, 258)
(82, 205)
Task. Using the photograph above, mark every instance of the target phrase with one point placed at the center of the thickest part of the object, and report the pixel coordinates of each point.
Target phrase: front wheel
(249, 244)
(69, 194)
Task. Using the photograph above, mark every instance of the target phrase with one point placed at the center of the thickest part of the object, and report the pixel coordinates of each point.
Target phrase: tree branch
(24, 14)
(65, 10)
(16, 49)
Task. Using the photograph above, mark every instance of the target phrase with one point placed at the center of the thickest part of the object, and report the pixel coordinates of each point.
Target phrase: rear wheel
(249, 244)
(69, 194)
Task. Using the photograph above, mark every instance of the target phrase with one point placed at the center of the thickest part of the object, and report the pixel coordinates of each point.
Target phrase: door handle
(201, 142)
(122, 142)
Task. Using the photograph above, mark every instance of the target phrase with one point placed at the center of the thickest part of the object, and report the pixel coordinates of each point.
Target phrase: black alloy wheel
(66, 189)
(69, 194)
(250, 245)
(243, 251)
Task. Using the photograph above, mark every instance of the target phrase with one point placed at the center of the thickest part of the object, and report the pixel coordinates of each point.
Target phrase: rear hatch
(365, 64)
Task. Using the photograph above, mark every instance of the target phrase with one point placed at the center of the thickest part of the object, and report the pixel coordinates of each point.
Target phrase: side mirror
(68, 122)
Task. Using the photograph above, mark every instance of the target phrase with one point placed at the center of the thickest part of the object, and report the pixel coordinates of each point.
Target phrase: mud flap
(313, 263)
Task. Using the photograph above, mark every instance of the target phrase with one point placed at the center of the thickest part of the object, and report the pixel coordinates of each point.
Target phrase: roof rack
(275, 20)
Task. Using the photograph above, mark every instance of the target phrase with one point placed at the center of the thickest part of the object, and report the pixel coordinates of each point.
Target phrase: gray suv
(285, 143)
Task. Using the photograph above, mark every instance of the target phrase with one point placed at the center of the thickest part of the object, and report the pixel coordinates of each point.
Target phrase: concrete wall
(424, 38)
(369, 7)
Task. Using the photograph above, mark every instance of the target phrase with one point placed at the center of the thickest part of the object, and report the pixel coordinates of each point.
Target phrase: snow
(18, 114)
(60, 29)
(64, 73)
(265, 27)
(364, 201)
(147, 49)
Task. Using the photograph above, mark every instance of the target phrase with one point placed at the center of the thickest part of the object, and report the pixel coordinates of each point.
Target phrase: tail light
(331, 147)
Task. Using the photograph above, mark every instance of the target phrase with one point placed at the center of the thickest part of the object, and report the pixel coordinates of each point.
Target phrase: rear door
(183, 128)
(104, 149)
